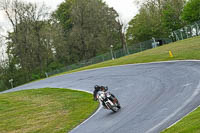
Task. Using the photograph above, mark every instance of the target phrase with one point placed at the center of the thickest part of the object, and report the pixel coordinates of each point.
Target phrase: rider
(102, 88)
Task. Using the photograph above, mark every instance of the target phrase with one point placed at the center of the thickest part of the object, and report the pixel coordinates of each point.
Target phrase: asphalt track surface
(153, 96)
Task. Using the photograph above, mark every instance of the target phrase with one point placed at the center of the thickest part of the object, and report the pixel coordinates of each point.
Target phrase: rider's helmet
(104, 88)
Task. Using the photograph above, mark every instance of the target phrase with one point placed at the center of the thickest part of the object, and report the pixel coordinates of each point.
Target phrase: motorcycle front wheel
(118, 105)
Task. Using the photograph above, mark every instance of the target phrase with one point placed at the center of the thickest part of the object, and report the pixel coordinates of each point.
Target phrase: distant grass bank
(182, 50)
(47, 110)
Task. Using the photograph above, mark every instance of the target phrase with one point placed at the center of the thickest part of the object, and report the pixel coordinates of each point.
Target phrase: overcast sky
(126, 8)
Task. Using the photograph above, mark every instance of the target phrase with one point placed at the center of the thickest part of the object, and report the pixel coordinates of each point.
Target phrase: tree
(30, 44)
(191, 11)
(122, 29)
(156, 18)
(90, 28)
(171, 18)
(63, 15)
(146, 24)
(94, 27)
(37, 43)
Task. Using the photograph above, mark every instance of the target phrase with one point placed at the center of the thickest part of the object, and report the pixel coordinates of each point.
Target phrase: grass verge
(47, 110)
(189, 124)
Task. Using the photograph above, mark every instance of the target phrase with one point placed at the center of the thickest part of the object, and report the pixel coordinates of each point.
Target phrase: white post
(111, 47)
(181, 31)
(127, 49)
(11, 82)
(46, 74)
(197, 32)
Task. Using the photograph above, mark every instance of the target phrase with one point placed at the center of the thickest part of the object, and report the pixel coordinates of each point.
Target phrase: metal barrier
(135, 48)
(186, 32)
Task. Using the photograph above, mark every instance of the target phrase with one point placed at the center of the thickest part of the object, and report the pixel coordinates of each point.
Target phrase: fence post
(186, 32)
(127, 51)
(46, 74)
(176, 36)
(11, 82)
(140, 47)
(197, 29)
(181, 31)
(103, 58)
(190, 30)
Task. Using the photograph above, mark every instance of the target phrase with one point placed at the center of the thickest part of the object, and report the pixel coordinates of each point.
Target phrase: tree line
(41, 41)
(158, 18)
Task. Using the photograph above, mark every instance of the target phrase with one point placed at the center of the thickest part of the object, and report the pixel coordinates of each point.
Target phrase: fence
(186, 32)
(180, 34)
(108, 56)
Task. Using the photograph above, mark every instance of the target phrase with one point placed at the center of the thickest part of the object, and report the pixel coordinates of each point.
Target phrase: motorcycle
(105, 97)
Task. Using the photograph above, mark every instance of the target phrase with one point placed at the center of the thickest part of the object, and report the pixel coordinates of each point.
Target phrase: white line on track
(100, 106)
(187, 84)
(195, 93)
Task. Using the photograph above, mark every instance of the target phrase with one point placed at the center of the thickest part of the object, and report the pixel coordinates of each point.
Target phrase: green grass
(60, 110)
(182, 50)
(189, 124)
(47, 110)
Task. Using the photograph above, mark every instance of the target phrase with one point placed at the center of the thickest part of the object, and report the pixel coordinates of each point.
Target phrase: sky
(127, 9)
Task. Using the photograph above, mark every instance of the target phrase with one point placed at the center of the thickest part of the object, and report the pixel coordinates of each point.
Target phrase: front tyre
(113, 108)
(118, 105)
